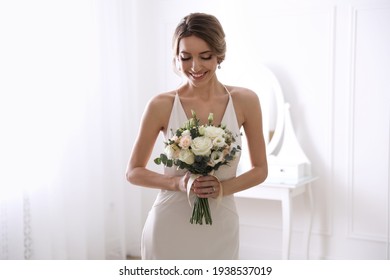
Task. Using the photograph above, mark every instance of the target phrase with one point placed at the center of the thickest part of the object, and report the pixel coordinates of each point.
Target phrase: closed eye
(184, 58)
(207, 58)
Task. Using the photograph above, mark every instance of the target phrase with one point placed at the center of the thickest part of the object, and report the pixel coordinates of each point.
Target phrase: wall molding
(4, 254)
(351, 232)
(331, 90)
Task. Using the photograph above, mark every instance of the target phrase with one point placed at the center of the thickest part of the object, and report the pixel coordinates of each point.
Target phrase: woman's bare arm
(154, 120)
(248, 111)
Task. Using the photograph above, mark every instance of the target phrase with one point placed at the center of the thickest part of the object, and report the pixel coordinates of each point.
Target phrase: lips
(198, 76)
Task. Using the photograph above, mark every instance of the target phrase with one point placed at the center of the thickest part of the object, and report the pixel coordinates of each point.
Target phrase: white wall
(332, 61)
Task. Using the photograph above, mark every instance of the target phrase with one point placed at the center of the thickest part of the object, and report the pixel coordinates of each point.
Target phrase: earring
(219, 66)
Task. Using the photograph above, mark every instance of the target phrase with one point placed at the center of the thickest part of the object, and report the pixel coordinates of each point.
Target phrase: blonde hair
(204, 26)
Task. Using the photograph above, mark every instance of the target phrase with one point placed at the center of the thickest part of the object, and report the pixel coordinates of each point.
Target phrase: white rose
(216, 157)
(187, 156)
(186, 133)
(219, 142)
(172, 151)
(201, 146)
(213, 132)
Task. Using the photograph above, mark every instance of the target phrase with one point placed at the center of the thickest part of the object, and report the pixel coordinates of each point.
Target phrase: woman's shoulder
(242, 95)
(162, 100)
(159, 108)
(246, 102)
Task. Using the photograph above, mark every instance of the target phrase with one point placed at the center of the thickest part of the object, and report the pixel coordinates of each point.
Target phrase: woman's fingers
(206, 186)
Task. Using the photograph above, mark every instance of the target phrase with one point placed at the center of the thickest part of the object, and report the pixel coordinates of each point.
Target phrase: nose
(195, 65)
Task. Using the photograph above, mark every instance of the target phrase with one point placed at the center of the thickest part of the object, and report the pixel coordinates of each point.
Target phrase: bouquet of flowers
(200, 149)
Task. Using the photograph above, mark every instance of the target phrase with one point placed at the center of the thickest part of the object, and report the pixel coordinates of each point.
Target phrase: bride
(199, 48)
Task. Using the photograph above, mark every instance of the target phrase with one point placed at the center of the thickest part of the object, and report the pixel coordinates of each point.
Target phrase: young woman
(199, 48)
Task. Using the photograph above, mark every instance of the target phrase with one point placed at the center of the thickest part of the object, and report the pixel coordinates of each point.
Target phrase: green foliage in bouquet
(200, 149)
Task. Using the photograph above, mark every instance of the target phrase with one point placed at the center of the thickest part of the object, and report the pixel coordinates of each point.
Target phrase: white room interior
(76, 76)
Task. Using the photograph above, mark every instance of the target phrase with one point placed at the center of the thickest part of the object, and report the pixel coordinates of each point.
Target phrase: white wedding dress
(168, 233)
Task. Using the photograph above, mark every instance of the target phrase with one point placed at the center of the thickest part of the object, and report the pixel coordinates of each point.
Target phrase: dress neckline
(183, 112)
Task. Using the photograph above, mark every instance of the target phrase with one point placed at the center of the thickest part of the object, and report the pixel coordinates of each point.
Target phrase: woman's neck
(205, 91)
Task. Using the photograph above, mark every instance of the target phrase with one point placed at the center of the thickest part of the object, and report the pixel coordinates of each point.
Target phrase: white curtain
(63, 97)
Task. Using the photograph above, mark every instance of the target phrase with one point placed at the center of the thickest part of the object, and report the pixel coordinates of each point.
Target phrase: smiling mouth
(198, 75)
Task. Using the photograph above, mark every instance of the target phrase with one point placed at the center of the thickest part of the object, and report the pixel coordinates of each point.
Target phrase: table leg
(309, 220)
(286, 216)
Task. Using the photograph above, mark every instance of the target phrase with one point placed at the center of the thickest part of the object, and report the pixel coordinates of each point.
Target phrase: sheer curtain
(63, 98)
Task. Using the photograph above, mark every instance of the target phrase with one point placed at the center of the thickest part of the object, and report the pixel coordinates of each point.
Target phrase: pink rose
(185, 141)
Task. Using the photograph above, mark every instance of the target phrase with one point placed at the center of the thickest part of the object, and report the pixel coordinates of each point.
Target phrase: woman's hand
(207, 187)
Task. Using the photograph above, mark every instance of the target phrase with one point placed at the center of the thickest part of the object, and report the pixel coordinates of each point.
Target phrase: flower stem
(201, 210)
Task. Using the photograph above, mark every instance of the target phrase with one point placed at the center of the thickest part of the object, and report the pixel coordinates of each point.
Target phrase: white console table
(285, 192)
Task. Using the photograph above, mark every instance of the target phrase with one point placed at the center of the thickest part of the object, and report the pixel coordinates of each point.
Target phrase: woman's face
(196, 60)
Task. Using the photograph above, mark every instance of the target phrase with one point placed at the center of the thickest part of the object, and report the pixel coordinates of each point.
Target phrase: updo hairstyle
(204, 26)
